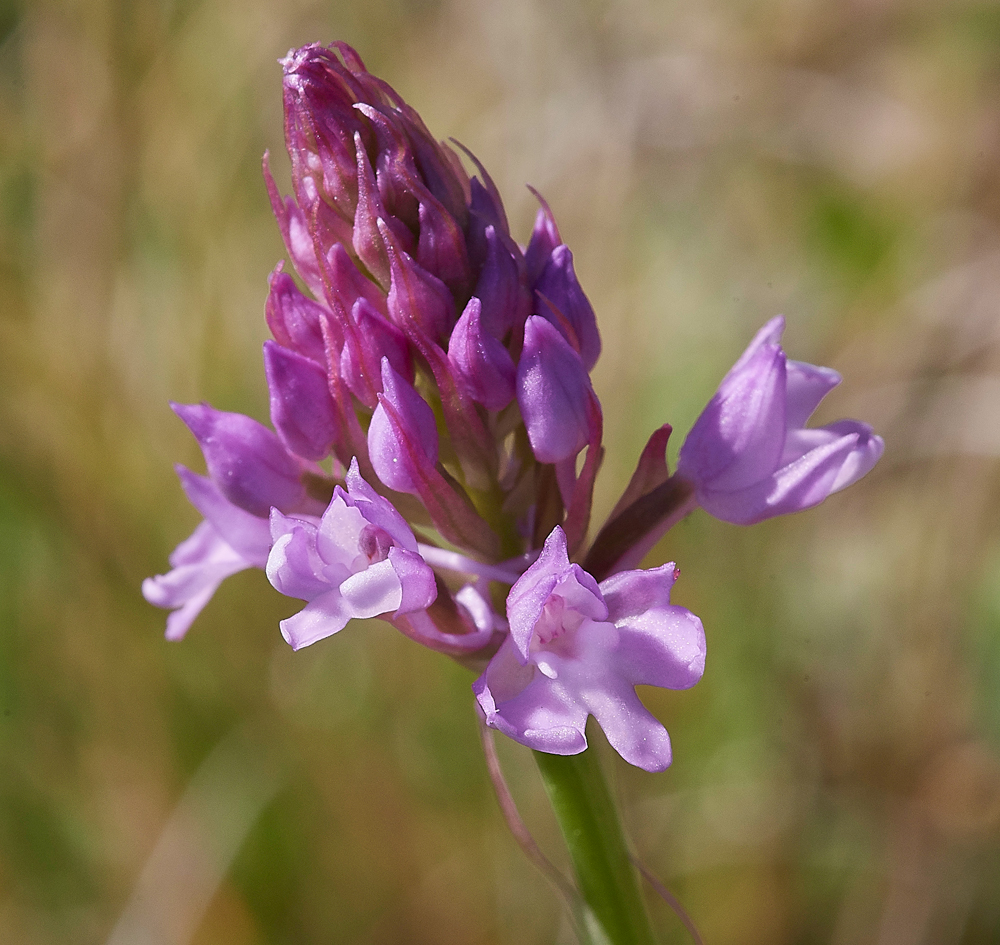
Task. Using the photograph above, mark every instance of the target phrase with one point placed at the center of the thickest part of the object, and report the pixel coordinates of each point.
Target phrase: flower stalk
(590, 825)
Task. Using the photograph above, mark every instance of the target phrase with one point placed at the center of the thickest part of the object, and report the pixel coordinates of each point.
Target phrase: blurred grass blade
(227, 794)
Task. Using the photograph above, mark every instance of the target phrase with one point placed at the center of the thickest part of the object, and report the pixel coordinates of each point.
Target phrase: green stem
(489, 504)
(589, 821)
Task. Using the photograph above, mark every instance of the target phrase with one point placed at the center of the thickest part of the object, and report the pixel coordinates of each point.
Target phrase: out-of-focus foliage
(837, 772)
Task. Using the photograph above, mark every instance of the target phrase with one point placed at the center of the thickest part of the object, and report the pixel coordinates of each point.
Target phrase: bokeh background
(837, 772)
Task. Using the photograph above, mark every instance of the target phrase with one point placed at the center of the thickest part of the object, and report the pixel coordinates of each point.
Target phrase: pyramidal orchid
(437, 436)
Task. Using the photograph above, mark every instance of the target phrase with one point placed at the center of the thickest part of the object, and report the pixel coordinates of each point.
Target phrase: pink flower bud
(294, 320)
(553, 392)
(411, 429)
(247, 462)
(482, 364)
(559, 298)
(369, 337)
(499, 289)
(544, 238)
(417, 300)
(302, 410)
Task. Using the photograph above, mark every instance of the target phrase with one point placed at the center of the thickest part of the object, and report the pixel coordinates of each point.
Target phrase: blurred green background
(837, 772)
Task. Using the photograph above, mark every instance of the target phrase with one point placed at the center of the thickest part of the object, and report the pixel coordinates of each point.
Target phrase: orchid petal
(293, 567)
(808, 384)
(320, 618)
(249, 535)
(376, 590)
(631, 729)
(416, 579)
(200, 564)
(246, 461)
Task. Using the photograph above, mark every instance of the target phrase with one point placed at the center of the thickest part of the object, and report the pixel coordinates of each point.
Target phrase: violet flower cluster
(436, 437)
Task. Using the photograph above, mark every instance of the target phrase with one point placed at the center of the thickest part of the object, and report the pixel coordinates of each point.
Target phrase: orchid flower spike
(451, 366)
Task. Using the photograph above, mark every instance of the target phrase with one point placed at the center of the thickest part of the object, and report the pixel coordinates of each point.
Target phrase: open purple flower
(249, 472)
(229, 540)
(579, 648)
(750, 456)
(359, 560)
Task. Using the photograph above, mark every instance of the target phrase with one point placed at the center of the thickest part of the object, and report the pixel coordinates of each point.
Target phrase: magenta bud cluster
(436, 436)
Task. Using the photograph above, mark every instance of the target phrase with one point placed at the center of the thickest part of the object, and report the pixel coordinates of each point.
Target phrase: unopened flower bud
(369, 337)
(417, 300)
(553, 392)
(302, 410)
(345, 282)
(410, 430)
(441, 246)
(371, 220)
(320, 123)
(544, 238)
(560, 299)
(395, 171)
(294, 320)
(294, 233)
(483, 365)
(499, 286)
(248, 463)
(485, 210)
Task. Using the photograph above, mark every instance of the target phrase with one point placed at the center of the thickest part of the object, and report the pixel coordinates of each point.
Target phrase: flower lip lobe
(229, 540)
